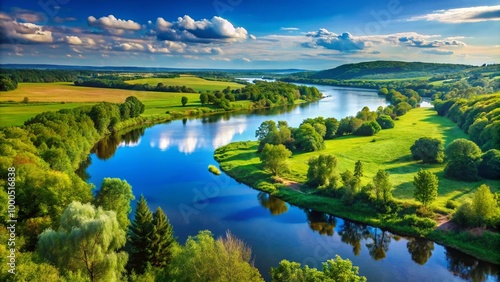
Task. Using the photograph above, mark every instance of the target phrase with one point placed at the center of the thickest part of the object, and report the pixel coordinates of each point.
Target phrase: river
(167, 163)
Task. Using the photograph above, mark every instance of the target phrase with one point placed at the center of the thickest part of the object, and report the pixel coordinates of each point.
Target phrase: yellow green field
(63, 95)
(198, 84)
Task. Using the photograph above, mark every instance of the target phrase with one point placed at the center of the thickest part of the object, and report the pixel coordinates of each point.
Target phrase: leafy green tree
(87, 241)
(385, 122)
(184, 100)
(382, 186)
(139, 234)
(366, 115)
(402, 108)
(358, 169)
(161, 240)
(203, 99)
(426, 187)
(368, 129)
(116, 194)
(490, 164)
(204, 259)
(334, 270)
(274, 158)
(429, 150)
(460, 148)
(484, 204)
(308, 139)
(332, 125)
(322, 170)
(267, 133)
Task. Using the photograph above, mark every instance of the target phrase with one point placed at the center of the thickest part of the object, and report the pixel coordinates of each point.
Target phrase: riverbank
(389, 152)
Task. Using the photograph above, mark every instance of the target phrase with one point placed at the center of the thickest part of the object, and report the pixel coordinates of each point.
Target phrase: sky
(247, 34)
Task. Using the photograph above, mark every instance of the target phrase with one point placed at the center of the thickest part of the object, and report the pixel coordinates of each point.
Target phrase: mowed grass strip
(388, 150)
(198, 84)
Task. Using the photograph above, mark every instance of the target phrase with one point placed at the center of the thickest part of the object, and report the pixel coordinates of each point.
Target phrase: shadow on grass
(402, 159)
(450, 130)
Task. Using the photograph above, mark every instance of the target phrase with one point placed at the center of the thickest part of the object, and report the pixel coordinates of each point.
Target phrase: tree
(420, 249)
(460, 148)
(308, 139)
(402, 108)
(382, 186)
(385, 122)
(203, 99)
(332, 125)
(358, 169)
(368, 128)
(184, 100)
(334, 270)
(115, 194)
(274, 158)
(429, 150)
(161, 240)
(267, 133)
(490, 164)
(484, 204)
(463, 157)
(204, 259)
(139, 232)
(87, 241)
(322, 170)
(426, 187)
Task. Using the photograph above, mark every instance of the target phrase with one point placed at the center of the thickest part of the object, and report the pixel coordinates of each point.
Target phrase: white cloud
(186, 29)
(289, 28)
(252, 37)
(23, 33)
(463, 15)
(420, 42)
(110, 22)
(74, 40)
(344, 42)
(128, 46)
(246, 60)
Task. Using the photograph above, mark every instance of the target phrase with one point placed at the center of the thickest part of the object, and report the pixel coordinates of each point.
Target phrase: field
(198, 84)
(388, 150)
(63, 95)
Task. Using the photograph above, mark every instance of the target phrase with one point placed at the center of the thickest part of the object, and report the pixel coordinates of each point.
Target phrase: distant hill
(388, 70)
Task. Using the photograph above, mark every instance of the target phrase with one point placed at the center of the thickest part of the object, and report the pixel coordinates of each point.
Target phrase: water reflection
(274, 205)
(420, 249)
(379, 245)
(106, 148)
(352, 233)
(470, 269)
(321, 222)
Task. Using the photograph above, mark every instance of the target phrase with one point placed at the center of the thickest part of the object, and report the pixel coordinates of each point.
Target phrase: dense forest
(119, 83)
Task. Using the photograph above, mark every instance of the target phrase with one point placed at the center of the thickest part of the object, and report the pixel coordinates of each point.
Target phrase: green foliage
(184, 100)
(429, 150)
(426, 187)
(139, 232)
(358, 169)
(213, 169)
(274, 158)
(382, 186)
(161, 240)
(368, 129)
(203, 99)
(490, 164)
(322, 171)
(385, 122)
(334, 270)
(461, 147)
(88, 240)
(332, 125)
(421, 226)
(349, 125)
(204, 259)
(402, 108)
(308, 139)
(463, 157)
(116, 194)
(482, 211)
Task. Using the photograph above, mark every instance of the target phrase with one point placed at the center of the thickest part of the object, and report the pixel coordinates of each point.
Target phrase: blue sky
(247, 34)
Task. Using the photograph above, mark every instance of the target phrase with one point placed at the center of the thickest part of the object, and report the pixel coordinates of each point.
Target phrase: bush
(402, 108)
(429, 150)
(462, 169)
(422, 225)
(450, 204)
(490, 165)
(368, 129)
(465, 215)
(385, 122)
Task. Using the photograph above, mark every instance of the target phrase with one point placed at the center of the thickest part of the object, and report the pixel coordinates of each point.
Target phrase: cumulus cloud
(415, 41)
(75, 40)
(28, 16)
(23, 33)
(5, 17)
(186, 29)
(246, 60)
(129, 46)
(344, 42)
(438, 52)
(462, 15)
(110, 22)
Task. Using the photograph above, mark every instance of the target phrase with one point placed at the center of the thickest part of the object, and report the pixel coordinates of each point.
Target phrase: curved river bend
(167, 163)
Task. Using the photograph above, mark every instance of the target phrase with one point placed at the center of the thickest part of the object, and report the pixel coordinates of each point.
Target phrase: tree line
(120, 84)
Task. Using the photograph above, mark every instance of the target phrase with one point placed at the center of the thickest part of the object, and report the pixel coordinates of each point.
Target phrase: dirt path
(445, 224)
(294, 185)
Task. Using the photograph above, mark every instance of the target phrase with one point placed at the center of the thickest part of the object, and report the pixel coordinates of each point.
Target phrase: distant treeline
(262, 94)
(120, 84)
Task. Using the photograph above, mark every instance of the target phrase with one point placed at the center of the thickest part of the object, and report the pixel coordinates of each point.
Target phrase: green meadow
(198, 84)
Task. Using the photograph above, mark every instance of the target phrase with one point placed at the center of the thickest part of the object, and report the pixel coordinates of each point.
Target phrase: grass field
(390, 151)
(198, 84)
(50, 97)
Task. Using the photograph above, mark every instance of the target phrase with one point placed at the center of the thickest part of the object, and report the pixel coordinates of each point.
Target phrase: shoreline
(334, 207)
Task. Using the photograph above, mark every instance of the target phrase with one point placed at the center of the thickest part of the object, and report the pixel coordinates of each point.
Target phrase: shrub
(490, 165)
(421, 225)
(462, 169)
(368, 129)
(450, 204)
(429, 150)
(385, 122)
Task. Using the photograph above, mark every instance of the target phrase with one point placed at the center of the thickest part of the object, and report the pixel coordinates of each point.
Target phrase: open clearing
(390, 151)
